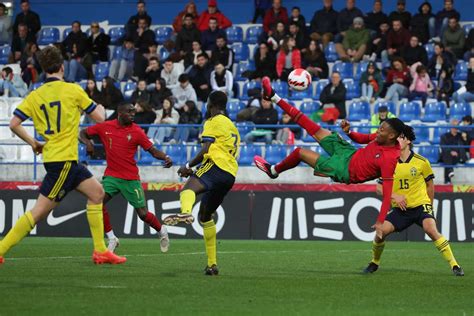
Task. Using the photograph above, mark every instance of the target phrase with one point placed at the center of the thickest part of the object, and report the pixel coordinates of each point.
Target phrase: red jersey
(121, 144)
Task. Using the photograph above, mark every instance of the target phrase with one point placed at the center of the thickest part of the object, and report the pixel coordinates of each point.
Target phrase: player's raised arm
(158, 154)
(355, 136)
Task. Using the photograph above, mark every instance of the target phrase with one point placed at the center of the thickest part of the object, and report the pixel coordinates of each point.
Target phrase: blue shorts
(401, 220)
(61, 178)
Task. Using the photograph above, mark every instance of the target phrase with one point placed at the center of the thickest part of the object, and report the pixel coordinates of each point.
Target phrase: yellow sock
(187, 199)
(210, 241)
(22, 228)
(96, 224)
(445, 249)
(377, 249)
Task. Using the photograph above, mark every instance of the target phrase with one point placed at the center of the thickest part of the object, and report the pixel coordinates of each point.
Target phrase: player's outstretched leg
(113, 241)
(21, 229)
(187, 198)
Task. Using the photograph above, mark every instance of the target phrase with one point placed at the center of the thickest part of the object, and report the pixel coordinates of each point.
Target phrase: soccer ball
(299, 79)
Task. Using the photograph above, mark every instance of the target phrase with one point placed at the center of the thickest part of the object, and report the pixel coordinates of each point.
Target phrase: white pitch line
(109, 287)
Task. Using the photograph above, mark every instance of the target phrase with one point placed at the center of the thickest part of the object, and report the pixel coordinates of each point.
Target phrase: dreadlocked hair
(397, 125)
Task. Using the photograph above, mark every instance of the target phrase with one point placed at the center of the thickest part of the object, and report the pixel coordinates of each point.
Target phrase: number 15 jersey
(56, 109)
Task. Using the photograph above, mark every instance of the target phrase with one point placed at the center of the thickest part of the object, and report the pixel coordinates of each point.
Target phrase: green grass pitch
(55, 276)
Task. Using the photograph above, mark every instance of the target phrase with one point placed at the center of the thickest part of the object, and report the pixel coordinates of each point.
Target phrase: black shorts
(217, 182)
(401, 220)
(61, 178)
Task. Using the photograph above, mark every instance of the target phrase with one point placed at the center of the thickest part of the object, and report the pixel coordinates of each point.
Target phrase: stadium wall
(63, 12)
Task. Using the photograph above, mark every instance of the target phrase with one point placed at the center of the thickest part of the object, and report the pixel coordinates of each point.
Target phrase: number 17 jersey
(56, 109)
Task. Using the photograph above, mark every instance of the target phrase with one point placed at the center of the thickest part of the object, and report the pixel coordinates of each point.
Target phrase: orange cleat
(107, 257)
(267, 87)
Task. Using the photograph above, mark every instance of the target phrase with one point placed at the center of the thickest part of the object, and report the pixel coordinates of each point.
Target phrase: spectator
(261, 6)
(189, 115)
(401, 14)
(378, 118)
(275, 36)
(299, 35)
(414, 52)
(11, 84)
(121, 68)
(355, 41)
(421, 86)
(379, 42)
(77, 50)
(452, 156)
(265, 115)
(184, 92)
(30, 67)
(299, 19)
(333, 95)
(277, 13)
(287, 135)
(440, 59)
(191, 9)
(443, 16)
(212, 12)
(466, 93)
(171, 72)
(222, 80)
(222, 53)
(5, 26)
(469, 45)
(29, 18)
(445, 86)
(111, 95)
(288, 58)
(159, 93)
(453, 38)
(371, 83)
(98, 43)
(140, 93)
(315, 62)
(152, 72)
(142, 61)
(188, 34)
(253, 104)
(397, 39)
(133, 22)
(209, 36)
(467, 134)
(346, 18)
(191, 58)
(167, 115)
(200, 77)
(376, 17)
(265, 63)
(143, 36)
(398, 80)
(92, 92)
(19, 42)
(323, 25)
(145, 114)
(423, 24)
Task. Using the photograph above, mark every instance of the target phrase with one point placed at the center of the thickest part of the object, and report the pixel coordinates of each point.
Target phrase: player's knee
(98, 196)
(204, 217)
(141, 212)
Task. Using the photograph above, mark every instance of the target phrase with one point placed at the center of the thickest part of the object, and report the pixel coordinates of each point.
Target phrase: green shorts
(336, 166)
(131, 190)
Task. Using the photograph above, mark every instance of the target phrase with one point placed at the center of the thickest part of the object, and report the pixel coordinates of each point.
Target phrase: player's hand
(37, 147)
(185, 172)
(345, 126)
(168, 162)
(400, 200)
(378, 229)
(90, 149)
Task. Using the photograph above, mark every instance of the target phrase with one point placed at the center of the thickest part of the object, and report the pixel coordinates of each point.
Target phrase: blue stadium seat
(5, 52)
(345, 69)
(330, 52)
(321, 151)
(253, 33)
(249, 85)
(309, 107)
(36, 85)
(300, 95)
(467, 27)
(66, 32)
(459, 110)
(422, 134)
(275, 153)
(247, 152)
(164, 54)
(244, 128)
(177, 153)
(363, 128)
(234, 107)
(101, 70)
(117, 53)
(409, 111)
(83, 84)
(320, 86)
(82, 153)
(234, 34)
(460, 73)
(163, 33)
(241, 68)
(241, 51)
(194, 150)
(437, 133)
(48, 35)
(430, 152)
(435, 111)
(429, 49)
(281, 88)
(389, 104)
(352, 90)
(116, 33)
(146, 158)
(360, 69)
(359, 110)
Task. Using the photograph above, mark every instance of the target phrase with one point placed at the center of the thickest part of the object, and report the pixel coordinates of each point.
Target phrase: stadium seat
(164, 53)
(66, 32)
(345, 69)
(48, 35)
(409, 111)
(389, 104)
(234, 34)
(8, 153)
(25, 154)
(422, 134)
(281, 88)
(4, 54)
(437, 133)
(320, 86)
(36, 85)
(459, 110)
(88, 31)
(359, 110)
(4, 110)
(244, 128)
(128, 89)
(430, 152)
(241, 51)
(194, 150)
(253, 33)
(83, 84)
(249, 85)
(247, 152)
(117, 52)
(275, 153)
(116, 33)
(435, 111)
(352, 90)
(429, 49)
(467, 27)
(241, 68)
(162, 34)
(300, 95)
(234, 107)
(320, 150)
(309, 107)
(360, 69)
(101, 71)
(330, 52)
(146, 158)
(460, 73)
(177, 153)
(363, 128)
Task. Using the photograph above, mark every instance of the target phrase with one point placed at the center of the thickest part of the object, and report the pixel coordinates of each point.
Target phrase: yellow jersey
(410, 180)
(225, 145)
(56, 109)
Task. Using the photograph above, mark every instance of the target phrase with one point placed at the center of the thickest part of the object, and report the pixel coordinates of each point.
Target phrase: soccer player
(55, 109)
(345, 164)
(121, 138)
(412, 203)
(215, 177)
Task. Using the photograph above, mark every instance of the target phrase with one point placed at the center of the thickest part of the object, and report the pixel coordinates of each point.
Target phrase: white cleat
(113, 243)
(164, 239)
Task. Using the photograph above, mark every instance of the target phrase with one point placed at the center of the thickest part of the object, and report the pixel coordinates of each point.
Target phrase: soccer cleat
(212, 270)
(267, 87)
(113, 243)
(107, 257)
(371, 268)
(173, 220)
(263, 165)
(2, 260)
(164, 239)
(458, 271)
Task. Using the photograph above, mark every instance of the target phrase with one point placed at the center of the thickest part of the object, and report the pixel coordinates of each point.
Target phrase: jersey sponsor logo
(377, 156)
(55, 221)
(413, 172)
(129, 137)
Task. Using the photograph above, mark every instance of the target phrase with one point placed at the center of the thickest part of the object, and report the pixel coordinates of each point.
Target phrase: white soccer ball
(299, 79)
